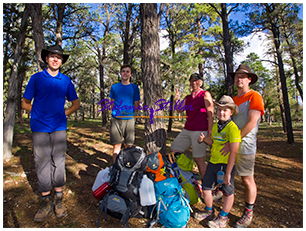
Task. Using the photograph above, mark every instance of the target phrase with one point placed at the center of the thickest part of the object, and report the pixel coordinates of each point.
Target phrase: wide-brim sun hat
(244, 69)
(227, 101)
(56, 49)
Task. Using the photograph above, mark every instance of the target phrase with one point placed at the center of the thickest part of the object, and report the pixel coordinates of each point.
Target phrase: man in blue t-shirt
(125, 100)
(50, 89)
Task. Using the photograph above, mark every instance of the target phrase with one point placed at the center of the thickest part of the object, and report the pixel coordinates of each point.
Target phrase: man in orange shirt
(251, 108)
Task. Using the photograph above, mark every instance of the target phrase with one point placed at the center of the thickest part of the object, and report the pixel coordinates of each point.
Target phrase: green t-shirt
(230, 133)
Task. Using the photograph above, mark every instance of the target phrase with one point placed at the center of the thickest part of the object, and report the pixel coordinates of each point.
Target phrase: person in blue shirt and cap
(49, 90)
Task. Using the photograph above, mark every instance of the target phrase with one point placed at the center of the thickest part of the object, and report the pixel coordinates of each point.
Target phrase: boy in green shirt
(223, 131)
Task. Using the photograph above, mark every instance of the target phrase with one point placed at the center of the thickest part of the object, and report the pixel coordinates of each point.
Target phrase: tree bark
(38, 34)
(59, 22)
(9, 120)
(126, 42)
(280, 104)
(155, 132)
(290, 138)
(229, 82)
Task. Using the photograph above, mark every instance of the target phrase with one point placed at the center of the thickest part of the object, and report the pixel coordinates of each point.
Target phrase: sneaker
(218, 222)
(217, 194)
(60, 210)
(206, 214)
(45, 209)
(246, 219)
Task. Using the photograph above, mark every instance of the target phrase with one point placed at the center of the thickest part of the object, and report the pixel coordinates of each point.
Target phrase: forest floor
(278, 174)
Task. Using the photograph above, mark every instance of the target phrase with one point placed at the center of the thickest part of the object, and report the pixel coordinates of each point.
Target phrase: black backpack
(127, 172)
(125, 178)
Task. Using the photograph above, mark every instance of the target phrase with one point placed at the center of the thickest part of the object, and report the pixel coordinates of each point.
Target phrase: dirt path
(278, 174)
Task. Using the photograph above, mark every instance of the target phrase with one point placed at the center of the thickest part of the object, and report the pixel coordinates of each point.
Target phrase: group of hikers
(232, 138)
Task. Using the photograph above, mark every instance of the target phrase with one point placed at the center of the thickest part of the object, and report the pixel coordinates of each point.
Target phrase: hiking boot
(218, 222)
(45, 209)
(206, 214)
(246, 219)
(217, 194)
(60, 210)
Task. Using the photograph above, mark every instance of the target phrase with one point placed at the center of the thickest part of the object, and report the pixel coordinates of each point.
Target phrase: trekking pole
(171, 162)
(175, 167)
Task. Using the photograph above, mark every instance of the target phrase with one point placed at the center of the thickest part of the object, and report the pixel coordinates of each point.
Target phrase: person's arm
(176, 98)
(231, 162)
(206, 139)
(112, 103)
(136, 105)
(26, 104)
(209, 105)
(74, 107)
(253, 118)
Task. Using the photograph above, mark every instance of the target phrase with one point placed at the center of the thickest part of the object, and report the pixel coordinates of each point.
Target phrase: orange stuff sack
(158, 167)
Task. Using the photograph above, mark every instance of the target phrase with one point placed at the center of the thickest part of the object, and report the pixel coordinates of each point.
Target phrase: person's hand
(226, 149)
(227, 179)
(177, 96)
(201, 138)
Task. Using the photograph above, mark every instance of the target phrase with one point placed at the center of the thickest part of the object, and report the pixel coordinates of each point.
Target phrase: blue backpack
(172, 208)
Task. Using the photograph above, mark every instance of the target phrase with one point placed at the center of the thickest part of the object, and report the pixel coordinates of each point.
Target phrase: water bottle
(220, 176)
(146, 192)
(102, 177)
(102, 190)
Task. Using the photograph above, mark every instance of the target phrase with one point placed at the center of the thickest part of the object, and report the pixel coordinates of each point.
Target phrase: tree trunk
(171, 111)
(93, 102)
(155, 133)
(102, 95)
(229, 82)
(38, 34)
(281, 105)
(19, 97)
(290, 138)
(9, 120)
(297, 77)
(295, 69)
(126, 42)
(60, 22)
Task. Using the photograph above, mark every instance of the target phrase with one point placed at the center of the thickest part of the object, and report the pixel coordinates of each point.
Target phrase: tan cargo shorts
(245, 164)
(122, 129)
(190, 138)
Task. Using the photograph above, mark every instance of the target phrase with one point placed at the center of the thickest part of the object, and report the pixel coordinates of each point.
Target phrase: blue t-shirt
(49, 93)
(124, 97)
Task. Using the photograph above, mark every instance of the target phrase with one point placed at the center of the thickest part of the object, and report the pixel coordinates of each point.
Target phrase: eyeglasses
(55, 57)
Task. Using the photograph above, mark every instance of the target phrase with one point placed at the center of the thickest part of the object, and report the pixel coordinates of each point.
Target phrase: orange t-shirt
(254, 98)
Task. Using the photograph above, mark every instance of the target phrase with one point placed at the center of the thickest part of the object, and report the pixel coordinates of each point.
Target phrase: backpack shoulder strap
(103, 208)
(125, 218)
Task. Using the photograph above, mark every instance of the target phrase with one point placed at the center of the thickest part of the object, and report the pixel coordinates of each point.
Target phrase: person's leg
(116, 137)
(201, 165)
(181, 143)
(198, 151)
(42, 158)
(116, 150)
(228, 191)
(59, 144)
(228, 203)
(208, 198)
(250, 189)
(221, 220)
(245, 168)
(207, 185)
(129, 132)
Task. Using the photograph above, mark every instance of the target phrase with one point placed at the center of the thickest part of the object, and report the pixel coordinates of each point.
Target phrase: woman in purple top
(199, 119)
